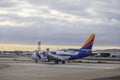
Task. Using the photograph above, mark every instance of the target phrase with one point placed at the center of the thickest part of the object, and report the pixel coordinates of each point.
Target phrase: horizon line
(29, 47)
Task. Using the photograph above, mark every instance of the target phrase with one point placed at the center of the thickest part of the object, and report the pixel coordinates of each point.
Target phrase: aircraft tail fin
(89, 43)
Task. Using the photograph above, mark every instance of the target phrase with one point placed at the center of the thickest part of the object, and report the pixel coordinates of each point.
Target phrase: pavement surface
(27, 70)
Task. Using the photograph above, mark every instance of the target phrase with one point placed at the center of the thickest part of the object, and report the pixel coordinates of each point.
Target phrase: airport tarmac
(27, 70)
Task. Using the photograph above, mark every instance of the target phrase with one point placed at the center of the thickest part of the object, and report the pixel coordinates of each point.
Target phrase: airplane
(64, 55)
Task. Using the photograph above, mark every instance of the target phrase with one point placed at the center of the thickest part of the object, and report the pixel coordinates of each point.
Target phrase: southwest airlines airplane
(63, 55)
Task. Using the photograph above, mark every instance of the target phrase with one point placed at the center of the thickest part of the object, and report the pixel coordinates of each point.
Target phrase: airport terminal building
(107, 53)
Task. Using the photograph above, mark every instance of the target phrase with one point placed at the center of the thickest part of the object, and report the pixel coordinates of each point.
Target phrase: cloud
(59, 22)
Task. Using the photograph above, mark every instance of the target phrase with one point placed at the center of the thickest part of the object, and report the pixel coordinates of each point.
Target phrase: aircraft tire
(63, 62)
(56, 61)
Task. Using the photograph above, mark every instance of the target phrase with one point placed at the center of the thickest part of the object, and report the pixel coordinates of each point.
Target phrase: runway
(71, 65)
(67, 65)
(27, 70)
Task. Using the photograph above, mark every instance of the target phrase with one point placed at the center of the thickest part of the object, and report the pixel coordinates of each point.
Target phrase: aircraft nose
(32, 55)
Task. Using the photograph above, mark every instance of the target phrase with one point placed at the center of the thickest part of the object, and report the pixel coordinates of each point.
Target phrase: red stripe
(89, 43)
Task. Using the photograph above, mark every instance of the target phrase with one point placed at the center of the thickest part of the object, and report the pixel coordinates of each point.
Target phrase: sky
(59, 22)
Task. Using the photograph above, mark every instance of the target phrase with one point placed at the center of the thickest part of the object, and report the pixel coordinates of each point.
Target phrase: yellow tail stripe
(89, 39)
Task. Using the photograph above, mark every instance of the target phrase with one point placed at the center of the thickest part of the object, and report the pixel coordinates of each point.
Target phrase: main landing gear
(57, 61)
(36, 60)
(63, 62)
